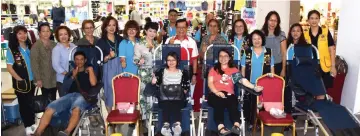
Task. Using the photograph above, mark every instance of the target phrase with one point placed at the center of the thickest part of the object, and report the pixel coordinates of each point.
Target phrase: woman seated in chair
(221, 80)
(174, 84)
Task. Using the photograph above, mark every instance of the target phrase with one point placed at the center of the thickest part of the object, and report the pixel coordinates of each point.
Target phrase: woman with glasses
(88, 27)
(238, 35)
(126, 47)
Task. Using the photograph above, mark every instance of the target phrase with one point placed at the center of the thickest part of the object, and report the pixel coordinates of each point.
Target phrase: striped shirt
(171, 78)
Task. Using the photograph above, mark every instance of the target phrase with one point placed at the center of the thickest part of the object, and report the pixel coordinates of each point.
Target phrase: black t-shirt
(84, 81)
(314, 39)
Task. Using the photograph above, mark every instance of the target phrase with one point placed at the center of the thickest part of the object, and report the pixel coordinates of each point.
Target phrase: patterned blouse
(142, 50)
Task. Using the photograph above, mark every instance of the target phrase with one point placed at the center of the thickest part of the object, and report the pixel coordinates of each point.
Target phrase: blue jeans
(68, 102)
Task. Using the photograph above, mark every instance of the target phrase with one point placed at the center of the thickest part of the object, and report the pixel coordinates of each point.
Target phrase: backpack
(341, 65)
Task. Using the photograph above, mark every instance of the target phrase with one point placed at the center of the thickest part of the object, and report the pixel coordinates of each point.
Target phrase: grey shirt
(84, 41)
(274, 43)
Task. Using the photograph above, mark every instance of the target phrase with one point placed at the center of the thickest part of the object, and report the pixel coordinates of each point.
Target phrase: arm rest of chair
(251, 91)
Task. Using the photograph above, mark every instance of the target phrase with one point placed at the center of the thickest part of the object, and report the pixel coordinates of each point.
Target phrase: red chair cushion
(268, 119)
(116, 116)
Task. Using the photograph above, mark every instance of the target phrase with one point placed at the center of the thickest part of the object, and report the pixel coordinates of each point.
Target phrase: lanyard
(113, 47)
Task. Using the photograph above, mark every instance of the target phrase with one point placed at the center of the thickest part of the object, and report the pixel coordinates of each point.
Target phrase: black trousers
(25, 107)
(171, 108)
(278, 68)
(49, 92)
(249, 108)
(220, 104)
(59, 88)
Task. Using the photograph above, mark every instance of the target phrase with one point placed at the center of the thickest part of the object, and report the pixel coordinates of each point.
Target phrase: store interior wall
(348, 46)
(294, 13)
(265, 6)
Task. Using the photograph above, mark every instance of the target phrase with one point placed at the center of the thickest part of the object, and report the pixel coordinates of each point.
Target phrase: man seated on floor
(82, 78)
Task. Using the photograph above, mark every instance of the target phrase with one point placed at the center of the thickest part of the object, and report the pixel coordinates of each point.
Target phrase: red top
(224, 82)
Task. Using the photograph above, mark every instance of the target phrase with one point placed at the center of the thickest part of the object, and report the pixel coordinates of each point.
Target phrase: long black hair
(14, 42)
(233, 33)
(217, 66)
(265, 27)
(290, 39)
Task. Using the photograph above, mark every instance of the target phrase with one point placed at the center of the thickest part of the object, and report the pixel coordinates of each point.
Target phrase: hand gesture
(163, 32)
(39, 83)
(258, 88)
(172, 40)
(154, 80)
(89, 69)
(112, 53)
(75, 71)
(333, 72)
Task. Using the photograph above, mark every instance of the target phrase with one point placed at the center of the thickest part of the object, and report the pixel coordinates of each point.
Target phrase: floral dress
(146, 51)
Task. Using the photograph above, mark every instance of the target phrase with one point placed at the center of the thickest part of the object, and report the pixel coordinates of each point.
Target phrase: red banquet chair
(273, 92)
(126, 88)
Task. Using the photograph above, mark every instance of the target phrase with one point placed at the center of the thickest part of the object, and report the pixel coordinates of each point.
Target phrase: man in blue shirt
(169, 28)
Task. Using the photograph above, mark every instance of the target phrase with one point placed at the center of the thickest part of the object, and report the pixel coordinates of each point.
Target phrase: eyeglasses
(224, 57)
(170, 60)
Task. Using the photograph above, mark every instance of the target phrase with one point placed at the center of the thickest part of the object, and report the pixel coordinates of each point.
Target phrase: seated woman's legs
(176, 114)
(217, 104)
(231, 104)
(53, 109)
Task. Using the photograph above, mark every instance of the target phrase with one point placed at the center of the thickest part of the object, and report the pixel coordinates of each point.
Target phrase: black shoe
(61, 133)
(225, 133)
(236, 130)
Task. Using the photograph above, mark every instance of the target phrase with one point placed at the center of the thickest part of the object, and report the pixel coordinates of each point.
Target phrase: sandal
(225, 133)
(236, 130)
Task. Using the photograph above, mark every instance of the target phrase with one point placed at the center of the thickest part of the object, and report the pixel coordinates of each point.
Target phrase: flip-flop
(226, 133)
(93, 121)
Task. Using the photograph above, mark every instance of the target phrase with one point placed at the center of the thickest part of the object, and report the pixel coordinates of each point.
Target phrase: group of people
(46, 63)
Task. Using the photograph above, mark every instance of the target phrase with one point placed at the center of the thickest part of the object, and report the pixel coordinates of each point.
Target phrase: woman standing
(41, 52)
(126, 47)
(238, 35)
(19, 66)
(60, 55)
(109, 44)
(143, 56)
(255, 62)
(214, 37)
(321, 38)
(276, 41)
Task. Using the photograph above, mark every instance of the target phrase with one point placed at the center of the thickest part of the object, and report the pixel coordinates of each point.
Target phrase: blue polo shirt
(26, 55)
(126, 50)
(256, 64)
(172, 31)
(238, 43)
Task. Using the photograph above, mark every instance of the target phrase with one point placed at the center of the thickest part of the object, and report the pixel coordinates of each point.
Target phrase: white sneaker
(29, 130)
(165, 130)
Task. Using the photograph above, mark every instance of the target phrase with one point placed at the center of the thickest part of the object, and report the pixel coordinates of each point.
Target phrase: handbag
(91, 95)
(40, 102)
(171, 92)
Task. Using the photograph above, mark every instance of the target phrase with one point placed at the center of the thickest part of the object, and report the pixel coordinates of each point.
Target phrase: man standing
(168, 29)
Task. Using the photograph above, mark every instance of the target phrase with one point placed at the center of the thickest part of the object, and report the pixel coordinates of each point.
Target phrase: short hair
(57, 32)
(86, 22)
(174, 55)
(131, 24)
(172, 10)
(80, 53)
(217, 23)
(313, 12)
(151, 25)
(43, 24)
(180, 21)
(261, 34)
